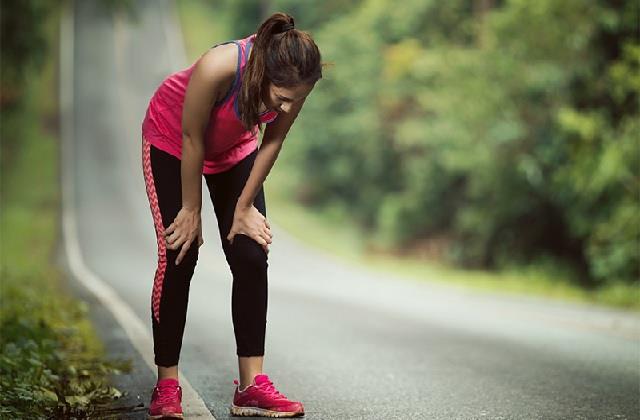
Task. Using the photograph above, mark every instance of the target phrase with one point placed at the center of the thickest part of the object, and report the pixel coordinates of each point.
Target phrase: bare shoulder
(214, 73)
(219, 63)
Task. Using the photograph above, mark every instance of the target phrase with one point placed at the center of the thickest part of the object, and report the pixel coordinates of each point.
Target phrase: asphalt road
(346, 341)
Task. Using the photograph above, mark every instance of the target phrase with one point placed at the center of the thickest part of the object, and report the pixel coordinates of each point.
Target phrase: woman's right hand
(186, 228)
(250, 222)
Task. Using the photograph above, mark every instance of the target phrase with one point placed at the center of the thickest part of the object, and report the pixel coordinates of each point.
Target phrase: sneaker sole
(262, 412)
(164, 416)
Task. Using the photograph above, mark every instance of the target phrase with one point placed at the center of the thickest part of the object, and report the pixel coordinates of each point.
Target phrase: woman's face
(281, 99)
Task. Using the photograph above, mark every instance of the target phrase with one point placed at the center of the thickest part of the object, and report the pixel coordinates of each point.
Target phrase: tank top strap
(244, 46)
(237, 77)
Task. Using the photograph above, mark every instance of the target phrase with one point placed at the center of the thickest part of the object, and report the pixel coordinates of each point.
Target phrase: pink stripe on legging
(157, 221)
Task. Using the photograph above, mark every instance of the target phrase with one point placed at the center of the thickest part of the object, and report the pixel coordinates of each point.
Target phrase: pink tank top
(227, 142)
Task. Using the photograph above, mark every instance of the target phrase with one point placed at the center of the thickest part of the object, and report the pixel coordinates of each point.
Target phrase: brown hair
(283, 56)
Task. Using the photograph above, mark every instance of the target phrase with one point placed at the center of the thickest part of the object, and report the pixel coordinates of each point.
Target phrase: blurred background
(492, 135)
(491, 145)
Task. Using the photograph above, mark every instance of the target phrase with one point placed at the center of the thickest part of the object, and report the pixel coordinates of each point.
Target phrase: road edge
(136, 331)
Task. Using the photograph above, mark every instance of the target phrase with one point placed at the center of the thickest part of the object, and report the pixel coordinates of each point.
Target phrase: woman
(203, 122)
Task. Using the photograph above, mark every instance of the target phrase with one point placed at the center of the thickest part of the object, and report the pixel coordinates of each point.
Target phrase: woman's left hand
(200, 239)
(249, 221)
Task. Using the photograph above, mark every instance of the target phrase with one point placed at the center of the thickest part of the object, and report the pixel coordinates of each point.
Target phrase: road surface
(348, 342)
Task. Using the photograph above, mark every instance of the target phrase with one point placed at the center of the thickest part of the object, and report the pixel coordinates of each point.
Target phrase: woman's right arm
(211, 78)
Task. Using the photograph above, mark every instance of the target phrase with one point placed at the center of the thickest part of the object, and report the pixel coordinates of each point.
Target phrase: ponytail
(282, 55)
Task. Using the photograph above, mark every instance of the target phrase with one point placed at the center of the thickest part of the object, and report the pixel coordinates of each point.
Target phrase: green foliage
(467, 127)
(514, 134)
(47, 368)
(24, 42)
(52, 364)
(508, 133)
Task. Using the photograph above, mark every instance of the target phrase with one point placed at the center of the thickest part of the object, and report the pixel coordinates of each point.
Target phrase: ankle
(246, 382)
(246, 385)
(167, 372)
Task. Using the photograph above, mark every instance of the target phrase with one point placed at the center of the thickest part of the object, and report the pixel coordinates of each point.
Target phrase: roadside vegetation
(52, 364)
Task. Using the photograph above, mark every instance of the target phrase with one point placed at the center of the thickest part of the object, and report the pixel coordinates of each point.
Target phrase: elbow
(186, 135)
(190, 140)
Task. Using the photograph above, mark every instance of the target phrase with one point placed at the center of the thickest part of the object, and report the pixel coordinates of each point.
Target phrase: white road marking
(194, 407)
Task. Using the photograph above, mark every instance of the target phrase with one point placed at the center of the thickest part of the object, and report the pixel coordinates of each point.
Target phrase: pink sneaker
(166, 400)
(262, 399)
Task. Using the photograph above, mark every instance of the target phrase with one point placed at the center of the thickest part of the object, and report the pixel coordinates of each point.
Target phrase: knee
(246, 253)
(189, 259)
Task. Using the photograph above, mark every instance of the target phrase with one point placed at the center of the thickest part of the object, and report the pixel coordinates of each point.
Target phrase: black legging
(247, 259)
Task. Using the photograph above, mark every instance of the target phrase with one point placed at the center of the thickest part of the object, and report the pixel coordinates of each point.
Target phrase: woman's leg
(248, 262)
(170, 293)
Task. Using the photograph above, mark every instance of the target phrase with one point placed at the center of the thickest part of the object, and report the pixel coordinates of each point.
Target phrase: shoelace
(270, 390)
(168, 394)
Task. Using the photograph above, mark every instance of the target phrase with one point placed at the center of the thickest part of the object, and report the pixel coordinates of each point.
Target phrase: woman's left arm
(272, 140)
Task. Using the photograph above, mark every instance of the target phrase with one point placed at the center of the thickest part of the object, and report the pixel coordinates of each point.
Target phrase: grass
(331, 232)
(52, 365)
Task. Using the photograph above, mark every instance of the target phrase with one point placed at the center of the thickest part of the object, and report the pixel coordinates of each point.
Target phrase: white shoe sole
(262, 412)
